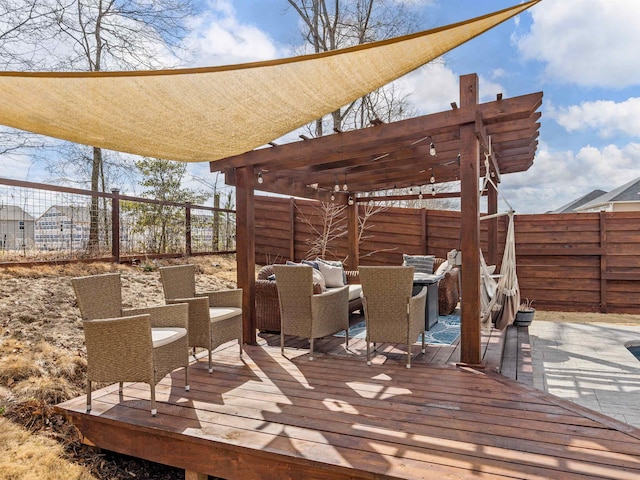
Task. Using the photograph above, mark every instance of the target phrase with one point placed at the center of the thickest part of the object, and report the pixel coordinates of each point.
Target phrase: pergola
(395, 155)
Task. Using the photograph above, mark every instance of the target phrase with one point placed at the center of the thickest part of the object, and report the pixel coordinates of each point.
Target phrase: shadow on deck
(274, 416)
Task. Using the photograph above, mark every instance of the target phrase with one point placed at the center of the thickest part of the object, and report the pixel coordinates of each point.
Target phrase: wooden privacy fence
(566, 262)
(49, 223)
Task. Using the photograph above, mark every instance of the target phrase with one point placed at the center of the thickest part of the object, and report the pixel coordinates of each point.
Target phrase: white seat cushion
(165, 335)
(218, 314)
(354, 291)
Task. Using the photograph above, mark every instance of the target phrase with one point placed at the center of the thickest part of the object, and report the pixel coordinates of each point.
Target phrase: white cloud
(435, 86)
(607, 117)
(220, 38)
(586, 42)
(558, 178)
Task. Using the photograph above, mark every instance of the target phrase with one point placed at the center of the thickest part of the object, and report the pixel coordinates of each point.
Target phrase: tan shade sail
(206, 114)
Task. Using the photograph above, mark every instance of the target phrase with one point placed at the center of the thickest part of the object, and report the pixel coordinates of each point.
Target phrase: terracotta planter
(524, 318)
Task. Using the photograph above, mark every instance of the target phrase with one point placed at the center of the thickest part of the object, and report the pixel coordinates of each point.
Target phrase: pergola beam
(316, 149)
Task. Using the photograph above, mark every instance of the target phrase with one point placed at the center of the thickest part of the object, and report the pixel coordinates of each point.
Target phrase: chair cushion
(218, 314)
(420, 263)
(333, 275)
(354, 291)
(165, 335)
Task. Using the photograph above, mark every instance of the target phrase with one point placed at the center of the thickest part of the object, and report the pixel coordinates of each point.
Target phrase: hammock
(499, 300)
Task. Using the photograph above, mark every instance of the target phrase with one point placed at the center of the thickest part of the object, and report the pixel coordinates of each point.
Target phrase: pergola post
(353, 249)
(470, 335)
(246, 250)
(492, 226)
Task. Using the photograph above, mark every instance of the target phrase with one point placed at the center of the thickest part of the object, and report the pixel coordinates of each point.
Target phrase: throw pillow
(332, 275)
(420, 263)
(311, 264)
(334, 263)
(318, 278)
(443, 268)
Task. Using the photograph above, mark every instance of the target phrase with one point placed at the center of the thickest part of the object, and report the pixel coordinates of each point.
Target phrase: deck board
(274, 416)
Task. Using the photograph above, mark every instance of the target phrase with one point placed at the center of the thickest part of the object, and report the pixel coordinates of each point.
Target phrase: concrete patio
(588, 364)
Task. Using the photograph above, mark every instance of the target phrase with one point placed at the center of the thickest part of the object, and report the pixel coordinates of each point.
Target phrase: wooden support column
(246, 250)
(292, 228)
(353, 254)
(492, 227)
(470, 335)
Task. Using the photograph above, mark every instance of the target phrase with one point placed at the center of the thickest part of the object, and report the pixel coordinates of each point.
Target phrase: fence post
(187, 216)
(216, 223)
(115, 225)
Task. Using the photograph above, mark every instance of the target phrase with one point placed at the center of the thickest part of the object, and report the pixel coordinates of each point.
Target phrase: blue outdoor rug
(445, 332)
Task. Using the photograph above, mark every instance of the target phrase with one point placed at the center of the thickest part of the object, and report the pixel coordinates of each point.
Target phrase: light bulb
(345, 187)
(432, 150)
(410, 190)
(260, 179)
(350, 200)
(333, 197)
(336, 188)
(432, 179)
(420, 196)
(433, 190)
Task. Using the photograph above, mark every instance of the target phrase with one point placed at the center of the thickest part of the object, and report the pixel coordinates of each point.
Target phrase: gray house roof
(14, 213)
(629, 192)
(571, 207)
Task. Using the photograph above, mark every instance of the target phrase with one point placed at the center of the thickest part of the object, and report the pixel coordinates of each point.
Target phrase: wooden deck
(269, 416)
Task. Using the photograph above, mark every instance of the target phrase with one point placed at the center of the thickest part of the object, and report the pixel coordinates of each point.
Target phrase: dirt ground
(42, 363)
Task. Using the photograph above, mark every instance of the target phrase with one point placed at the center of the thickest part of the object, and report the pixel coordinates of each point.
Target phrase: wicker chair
(129, 345)
(309, 315)
(391, 313)
(215, 318)
(268, 305)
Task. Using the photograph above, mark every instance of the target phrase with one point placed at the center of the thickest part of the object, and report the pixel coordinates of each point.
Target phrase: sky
(582, 54)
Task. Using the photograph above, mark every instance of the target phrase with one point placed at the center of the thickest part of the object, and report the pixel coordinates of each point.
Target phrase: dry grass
(34, 457)
(587, 317)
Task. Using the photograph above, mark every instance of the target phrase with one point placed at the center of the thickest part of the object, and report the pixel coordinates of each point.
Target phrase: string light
(432, 149)
(345, 187)
(333, 196)
(350, 200)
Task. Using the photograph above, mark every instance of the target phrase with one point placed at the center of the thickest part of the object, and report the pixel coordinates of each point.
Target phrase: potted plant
(525, 313)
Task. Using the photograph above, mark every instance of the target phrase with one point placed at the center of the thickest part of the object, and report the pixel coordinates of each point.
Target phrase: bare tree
(330, 25)
(92, 35)
(331, 225)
